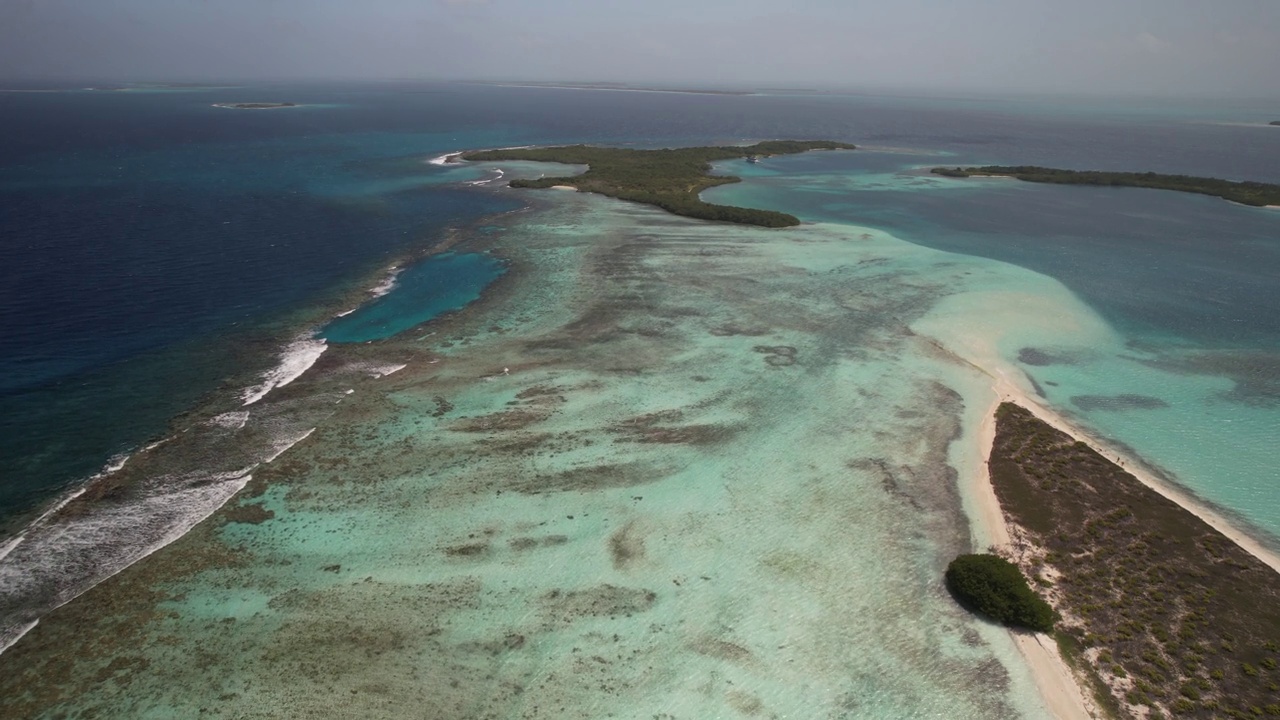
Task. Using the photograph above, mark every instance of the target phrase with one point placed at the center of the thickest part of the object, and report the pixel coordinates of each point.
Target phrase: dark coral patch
(1118, 402)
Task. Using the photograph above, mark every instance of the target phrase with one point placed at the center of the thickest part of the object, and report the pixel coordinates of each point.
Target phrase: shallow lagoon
(1187, 374)
(721, 478)
(421, 292)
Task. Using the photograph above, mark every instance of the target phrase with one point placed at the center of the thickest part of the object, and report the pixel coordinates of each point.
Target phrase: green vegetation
(669, 179)
(1166, 612)
(1245, 193)
(993, 586)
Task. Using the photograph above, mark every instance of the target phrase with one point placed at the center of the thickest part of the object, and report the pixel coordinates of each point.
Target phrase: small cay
(1245, 193)
(1165, 615)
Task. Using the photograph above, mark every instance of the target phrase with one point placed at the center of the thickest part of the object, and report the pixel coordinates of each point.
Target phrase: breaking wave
(296, 358)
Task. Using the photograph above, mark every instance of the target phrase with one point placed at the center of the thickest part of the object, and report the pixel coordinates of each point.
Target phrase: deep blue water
(153, 249)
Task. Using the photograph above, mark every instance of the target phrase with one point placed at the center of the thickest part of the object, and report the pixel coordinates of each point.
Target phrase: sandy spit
(1062, 691)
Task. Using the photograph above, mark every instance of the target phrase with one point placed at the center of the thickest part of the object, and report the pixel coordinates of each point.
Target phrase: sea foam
(297, 357)
(60, 559)
(443, 159)
(230, 420)
(283, 444)
(388, 283)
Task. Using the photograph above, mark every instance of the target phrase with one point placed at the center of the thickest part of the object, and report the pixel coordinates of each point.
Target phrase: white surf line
(16, 540)
(500, 174)
(13, 542)
(233, 420)
(236, 479)
(387, 284)
(296, 358)
(8, 642)
(444, 159)
(155, 444)
(381, 371)
(285, 448)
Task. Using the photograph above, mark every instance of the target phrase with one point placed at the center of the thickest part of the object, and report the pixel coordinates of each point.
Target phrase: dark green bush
(994, 587)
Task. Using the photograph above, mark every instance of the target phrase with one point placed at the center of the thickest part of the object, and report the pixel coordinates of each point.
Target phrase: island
(1246, 193)
(1275, 122)
(255, 105)
(621, 87)
(1162, 613)
(670, 179)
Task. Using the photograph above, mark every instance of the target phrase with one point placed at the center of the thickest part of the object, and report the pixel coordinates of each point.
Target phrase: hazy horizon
(1092, 47)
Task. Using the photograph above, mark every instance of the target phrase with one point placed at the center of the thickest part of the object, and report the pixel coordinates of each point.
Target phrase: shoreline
(1006, 390)
(1064, 692)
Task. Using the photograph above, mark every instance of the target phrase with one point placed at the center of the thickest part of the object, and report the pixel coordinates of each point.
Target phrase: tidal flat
(662, 468)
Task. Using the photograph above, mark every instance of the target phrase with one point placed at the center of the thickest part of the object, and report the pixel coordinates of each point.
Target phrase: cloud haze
(1136, 46)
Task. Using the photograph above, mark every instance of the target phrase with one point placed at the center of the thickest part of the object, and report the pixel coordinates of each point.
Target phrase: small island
(1275, 122)
(255, 105)
(669, 179)
(1246, 193)
(1161, 612)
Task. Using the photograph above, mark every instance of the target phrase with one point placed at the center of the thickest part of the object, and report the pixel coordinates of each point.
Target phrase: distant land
(1246, 193)
(619, 86)
(669, 179)
(1275, 122)
(255, 105)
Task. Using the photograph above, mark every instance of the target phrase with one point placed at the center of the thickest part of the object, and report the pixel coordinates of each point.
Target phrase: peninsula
(1246, 193)
(1161, 612)
(669, 179)
(255, 105)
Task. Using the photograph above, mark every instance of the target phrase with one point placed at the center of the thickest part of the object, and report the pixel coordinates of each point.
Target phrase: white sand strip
(1058, 685)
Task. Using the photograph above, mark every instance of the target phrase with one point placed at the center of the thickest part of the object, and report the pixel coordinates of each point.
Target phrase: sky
(1147, 47)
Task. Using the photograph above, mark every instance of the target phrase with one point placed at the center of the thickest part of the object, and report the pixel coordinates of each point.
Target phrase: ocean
(190, 292)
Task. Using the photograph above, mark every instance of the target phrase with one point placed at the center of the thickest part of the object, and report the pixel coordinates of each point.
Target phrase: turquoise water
(422, 291)
(673, 469)
(1188, 374)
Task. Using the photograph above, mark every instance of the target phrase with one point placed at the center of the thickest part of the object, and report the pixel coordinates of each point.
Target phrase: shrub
(994, 587)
